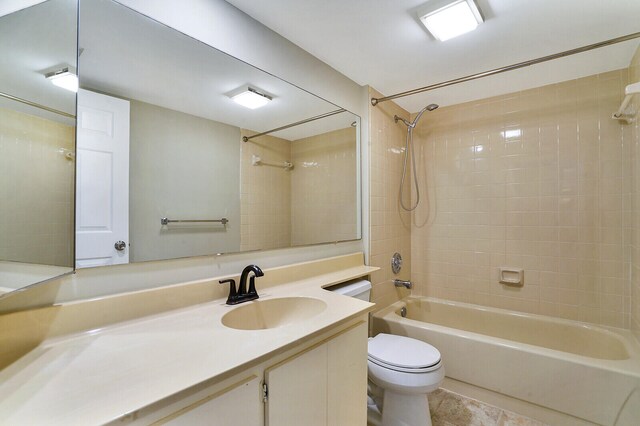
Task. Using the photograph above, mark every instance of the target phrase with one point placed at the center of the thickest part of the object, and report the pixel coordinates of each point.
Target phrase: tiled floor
(451, 409)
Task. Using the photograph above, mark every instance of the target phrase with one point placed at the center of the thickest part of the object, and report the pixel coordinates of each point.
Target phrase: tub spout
(402, 283)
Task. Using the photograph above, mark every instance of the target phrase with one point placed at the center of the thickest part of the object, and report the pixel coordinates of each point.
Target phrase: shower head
(429, 107)
(411, 125)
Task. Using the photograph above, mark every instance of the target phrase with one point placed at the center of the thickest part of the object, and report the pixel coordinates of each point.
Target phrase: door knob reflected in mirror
(120, 245)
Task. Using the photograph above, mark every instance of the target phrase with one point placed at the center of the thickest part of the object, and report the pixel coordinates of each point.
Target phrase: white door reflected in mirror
(102, 191)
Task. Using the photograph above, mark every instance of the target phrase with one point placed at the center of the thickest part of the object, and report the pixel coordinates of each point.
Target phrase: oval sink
(273, 313)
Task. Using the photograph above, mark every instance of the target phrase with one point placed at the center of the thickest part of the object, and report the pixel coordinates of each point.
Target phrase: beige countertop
(97, 376)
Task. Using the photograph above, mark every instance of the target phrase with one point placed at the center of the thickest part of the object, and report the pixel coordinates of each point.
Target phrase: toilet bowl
(401, 373)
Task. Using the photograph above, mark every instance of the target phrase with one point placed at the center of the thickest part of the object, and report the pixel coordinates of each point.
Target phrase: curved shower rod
(297, 123)
(376, 101)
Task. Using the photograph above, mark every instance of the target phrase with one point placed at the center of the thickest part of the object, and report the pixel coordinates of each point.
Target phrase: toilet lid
(402, 352)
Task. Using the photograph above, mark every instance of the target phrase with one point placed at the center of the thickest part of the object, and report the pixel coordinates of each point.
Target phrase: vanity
(296, 355)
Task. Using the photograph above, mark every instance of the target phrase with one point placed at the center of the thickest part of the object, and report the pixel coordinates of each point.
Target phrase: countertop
(98, 376)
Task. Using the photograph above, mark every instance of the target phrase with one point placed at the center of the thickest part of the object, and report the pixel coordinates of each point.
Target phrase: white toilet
(402, 371)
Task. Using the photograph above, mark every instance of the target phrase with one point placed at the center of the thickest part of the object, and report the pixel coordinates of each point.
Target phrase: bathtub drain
(403, 312)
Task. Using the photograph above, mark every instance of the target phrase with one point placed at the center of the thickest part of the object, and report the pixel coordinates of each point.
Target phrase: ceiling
(129, 55)
(10, 6)
(34, 41)
(381, 43)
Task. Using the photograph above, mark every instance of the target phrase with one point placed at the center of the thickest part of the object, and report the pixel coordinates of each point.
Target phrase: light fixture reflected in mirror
(65, 78)
(251, 98)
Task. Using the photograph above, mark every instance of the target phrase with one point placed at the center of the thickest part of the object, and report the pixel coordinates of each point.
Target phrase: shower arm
(411, 125)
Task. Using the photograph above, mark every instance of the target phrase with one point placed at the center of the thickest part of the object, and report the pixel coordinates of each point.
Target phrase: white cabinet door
(347, 377)
(326, 385)
(240, 405)
(102, 180)
(298, 390)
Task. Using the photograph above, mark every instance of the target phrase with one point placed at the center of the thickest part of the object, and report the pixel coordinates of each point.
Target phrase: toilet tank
(360, 289)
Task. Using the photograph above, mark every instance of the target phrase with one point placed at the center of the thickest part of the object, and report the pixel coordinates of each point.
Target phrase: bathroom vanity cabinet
(205, 363)
(320, 382)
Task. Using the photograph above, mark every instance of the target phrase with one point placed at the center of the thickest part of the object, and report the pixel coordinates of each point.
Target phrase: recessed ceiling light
(448, 19)
(251, 98)
(64, 78)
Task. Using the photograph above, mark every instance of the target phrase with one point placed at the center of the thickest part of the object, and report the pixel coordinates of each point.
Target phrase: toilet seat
(404, 369)
(403, 354)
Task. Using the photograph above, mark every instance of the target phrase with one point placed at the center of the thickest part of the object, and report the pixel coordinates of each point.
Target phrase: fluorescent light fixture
(251, 98)
(512, 134)
(449, 19)
(64, 78)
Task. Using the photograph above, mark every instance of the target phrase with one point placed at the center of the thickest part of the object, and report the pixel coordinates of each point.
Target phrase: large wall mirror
(178, 149)
(37, 140)
(171, 164)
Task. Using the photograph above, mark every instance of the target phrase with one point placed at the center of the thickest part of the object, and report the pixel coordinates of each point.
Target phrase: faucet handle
(232, 299)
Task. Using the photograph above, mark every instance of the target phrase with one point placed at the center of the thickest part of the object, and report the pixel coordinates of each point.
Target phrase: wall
(36, 213)
(182, 167)
(390, 230)
(634, 216)
(539, 180)
(311, 203)
(221, 25)
(265, 194)
(323, 187)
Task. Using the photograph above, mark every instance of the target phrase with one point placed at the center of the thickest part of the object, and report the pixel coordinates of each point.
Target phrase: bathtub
(582, 370)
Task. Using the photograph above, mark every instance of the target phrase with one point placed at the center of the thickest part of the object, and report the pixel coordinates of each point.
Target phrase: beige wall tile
(265, 194)
(632, 209)
(36, 214)
(539, 180)
(324, 187)
(390, 226)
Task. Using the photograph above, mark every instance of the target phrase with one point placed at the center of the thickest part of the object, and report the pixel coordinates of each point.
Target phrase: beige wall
(390, 227)
(265, 194)
(324, 188)
(182, 167)
(539, 180)
(634, 216)
(36, 189)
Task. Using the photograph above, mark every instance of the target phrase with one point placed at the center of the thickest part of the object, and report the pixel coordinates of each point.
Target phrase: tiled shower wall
(390, 227)
(37, 179)
(277, 207)
(634, 220)
(538, 180)
(324, 187)
(265, 201)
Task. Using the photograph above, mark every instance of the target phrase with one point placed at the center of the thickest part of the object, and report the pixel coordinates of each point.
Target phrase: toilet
(402, 371)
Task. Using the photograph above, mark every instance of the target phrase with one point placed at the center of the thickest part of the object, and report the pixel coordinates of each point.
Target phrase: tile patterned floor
(451, 409)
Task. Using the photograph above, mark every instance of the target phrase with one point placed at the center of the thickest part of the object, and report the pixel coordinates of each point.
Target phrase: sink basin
(273, 313)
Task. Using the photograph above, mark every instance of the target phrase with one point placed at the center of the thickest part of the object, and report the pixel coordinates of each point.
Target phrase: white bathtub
(582, 370)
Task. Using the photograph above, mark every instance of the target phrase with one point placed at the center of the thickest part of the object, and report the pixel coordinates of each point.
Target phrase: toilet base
(405, 410)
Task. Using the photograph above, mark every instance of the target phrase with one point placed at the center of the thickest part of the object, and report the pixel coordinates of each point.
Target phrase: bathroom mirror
(37, 141)
(163, 171)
